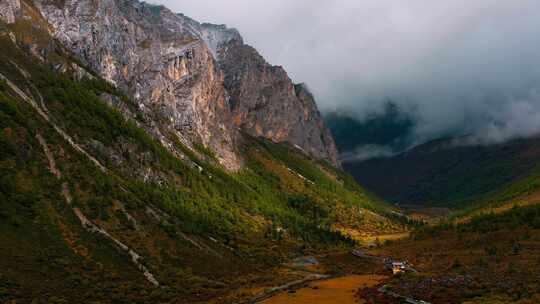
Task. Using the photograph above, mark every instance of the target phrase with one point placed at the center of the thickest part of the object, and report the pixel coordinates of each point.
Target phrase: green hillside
(445, 174)
(94, 209)
(493, 258)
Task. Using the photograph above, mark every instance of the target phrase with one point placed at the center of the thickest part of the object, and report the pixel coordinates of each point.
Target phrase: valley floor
(337, 290)
(492, 259)
(333, 277)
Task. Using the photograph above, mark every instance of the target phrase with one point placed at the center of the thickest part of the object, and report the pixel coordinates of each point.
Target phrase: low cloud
(514, 119)
(366, 152)
(462, 67)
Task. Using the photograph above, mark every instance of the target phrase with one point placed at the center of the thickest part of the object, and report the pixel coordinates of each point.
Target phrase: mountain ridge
(170, 64)
(450, 172)
(102, 200)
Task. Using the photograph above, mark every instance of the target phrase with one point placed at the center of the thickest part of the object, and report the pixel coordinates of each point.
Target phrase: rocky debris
(52, 164)
(44, 115)
(145, 170)
(300, 176)
(128, 216)
(165, 219)
(157, 214)
(120, 105)
(9, 10)
(200, 245)
(88, 224)
(135, 257)
(73, 69)
(129, 159)
(66, 193)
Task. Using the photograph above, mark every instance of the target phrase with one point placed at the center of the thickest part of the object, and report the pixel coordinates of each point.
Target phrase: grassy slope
(328, 197)
(491, 259)
(215, 229)
(487, 252)
(438, 174)
(521, 192)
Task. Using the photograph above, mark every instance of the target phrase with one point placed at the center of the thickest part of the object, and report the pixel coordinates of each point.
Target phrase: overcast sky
(467, 65)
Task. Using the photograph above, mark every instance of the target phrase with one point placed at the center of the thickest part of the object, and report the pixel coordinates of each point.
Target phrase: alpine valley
(146, 157)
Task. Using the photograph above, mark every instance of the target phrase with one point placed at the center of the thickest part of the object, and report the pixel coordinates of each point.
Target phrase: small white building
(398, 267)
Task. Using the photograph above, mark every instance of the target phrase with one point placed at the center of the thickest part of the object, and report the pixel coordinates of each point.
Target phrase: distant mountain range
(449, 172)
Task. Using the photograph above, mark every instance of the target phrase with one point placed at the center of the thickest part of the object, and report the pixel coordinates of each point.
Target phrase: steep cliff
(265, 102)
(159, 58)
(168, 63)
(110, 194)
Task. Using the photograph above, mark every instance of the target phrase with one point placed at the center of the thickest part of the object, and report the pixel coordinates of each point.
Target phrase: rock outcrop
(9, 10)
(197, 82)
(265, 102)
(160, 59)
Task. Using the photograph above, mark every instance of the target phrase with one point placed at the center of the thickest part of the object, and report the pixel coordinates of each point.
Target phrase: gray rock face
(160, 59)
(198, 82)
(9, 10)
(265, 102)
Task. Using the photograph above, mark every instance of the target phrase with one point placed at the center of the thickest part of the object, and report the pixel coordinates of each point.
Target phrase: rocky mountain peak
(216, 36)
(194, 82)
(265, 102)
(159, 58)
